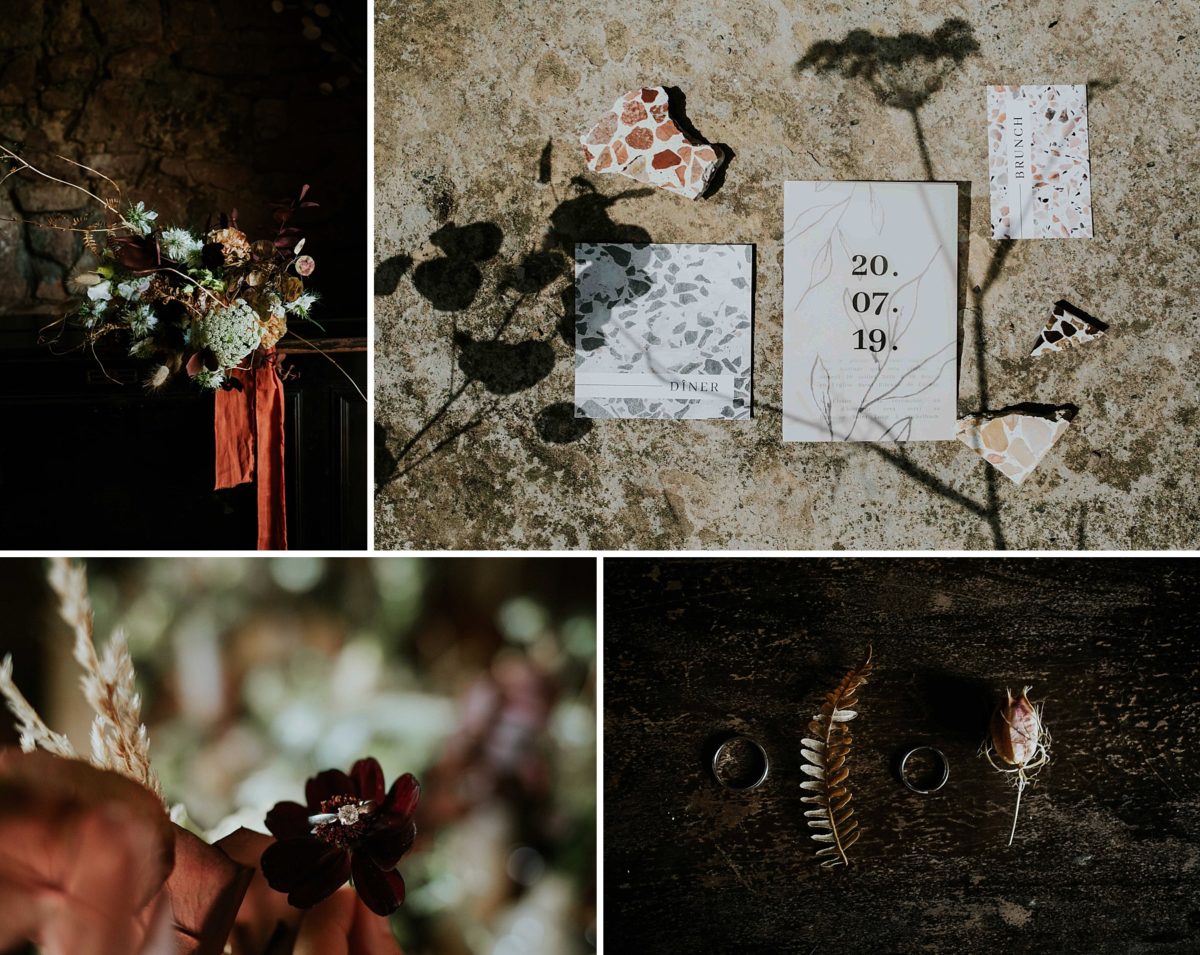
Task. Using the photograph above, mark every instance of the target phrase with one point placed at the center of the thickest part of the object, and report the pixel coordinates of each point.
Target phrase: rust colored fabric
(248, 428)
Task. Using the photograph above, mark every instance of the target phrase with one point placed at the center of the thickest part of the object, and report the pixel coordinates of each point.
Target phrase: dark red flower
(349, 829)
(138, 254)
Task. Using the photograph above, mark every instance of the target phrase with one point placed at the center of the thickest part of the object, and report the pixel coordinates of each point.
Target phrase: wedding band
(751, 780)
(942, 761)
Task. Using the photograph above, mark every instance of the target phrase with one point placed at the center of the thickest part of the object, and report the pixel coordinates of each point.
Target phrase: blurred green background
(476, 674)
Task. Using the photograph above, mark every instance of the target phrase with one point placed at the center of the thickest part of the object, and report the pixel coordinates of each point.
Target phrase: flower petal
(308, 870)
(326, 785)
(402, 799)
(343, 925)
(387, 845)
(381, 890)
(288, 820)
(368, 778)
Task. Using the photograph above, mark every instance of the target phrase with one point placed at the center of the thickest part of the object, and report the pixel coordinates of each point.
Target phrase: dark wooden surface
(88, 463)
(1107, 851)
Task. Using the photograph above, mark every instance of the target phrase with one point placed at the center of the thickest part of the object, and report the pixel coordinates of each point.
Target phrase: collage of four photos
(529, 478)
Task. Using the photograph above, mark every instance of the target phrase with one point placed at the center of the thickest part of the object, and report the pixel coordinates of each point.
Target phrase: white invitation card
(1038, 162)
(663, 331)
(870, 273)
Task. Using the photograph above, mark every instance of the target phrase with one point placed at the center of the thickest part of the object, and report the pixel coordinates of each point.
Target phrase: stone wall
(196, 107)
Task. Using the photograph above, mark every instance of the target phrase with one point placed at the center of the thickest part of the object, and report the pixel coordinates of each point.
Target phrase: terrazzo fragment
(1067, 328)
(1013, 443)
(639, 139)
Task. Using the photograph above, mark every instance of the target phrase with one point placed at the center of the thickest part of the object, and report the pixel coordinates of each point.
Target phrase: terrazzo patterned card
(663, 331)
(1038, 162)
(870, 272)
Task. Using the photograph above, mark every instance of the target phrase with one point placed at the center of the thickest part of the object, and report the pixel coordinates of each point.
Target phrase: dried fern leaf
(826, 749)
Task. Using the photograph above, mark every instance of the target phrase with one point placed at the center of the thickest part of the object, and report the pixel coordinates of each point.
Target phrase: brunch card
(870, 272)
(1038, 163)
(663, 331)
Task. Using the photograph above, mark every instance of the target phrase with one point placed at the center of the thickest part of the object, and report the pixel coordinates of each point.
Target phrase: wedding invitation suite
(662, 331)
(1040, 173)
(870, 273)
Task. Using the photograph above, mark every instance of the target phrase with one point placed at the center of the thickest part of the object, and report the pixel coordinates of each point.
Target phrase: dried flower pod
(1019, 741)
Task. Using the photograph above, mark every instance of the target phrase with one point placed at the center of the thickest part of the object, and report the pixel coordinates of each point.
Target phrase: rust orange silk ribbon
(248, 427)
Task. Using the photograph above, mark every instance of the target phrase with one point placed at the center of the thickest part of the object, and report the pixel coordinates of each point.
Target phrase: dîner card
(662, 331)
(870, 273)
(1040, 174)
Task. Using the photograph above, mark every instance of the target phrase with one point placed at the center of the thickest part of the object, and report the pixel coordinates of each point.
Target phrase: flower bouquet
(209, 303)
(91, 861)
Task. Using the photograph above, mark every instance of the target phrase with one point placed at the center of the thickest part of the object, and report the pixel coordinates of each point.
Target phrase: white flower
(140, 219)
(100, 292)
(141, 320)
(231, 332)
(209, 379)
(142, 348)
(181, 246)
(132, 290)
(302, 304)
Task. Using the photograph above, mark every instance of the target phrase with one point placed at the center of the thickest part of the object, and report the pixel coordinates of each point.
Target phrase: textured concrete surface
(475, 445)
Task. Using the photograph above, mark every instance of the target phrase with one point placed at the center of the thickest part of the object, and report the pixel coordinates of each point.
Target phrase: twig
(328, 358)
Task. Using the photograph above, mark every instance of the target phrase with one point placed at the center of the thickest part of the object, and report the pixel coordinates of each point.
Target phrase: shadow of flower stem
(901, 71)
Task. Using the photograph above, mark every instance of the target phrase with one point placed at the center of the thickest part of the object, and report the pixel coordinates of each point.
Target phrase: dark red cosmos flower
(349, 830)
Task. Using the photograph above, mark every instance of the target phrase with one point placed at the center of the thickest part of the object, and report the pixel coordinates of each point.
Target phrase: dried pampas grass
(118, 737)
(34, 733)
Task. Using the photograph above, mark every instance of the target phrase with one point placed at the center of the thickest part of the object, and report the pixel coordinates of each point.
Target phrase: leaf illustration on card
(876, 211)
(809, 218)
(822, 265)
(906, 300)
(822, 391)
(898, 431)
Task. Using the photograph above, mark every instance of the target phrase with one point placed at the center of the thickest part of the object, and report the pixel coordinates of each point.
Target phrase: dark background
(1106, 849)
(195, 108)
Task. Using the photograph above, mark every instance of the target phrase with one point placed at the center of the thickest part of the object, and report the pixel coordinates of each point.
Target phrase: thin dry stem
(23, 164)
(331, 360)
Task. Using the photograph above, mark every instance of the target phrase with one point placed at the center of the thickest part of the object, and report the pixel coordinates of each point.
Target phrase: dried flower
(226, 247)
(141, 320)
(349, 829)
(179, 245)
(1020, 742)
(231, 332)
(158, 377)
(291, 288)
(132, 290)
(274, 328)
(210, 378)
(140, 219)
(301, 306)
(305, 265)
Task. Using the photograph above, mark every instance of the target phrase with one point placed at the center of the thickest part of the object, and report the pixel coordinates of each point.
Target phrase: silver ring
(941, 758)
(734, 785)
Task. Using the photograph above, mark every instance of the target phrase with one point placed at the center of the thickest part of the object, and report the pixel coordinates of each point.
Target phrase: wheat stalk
(34, 732)
(118, 736)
